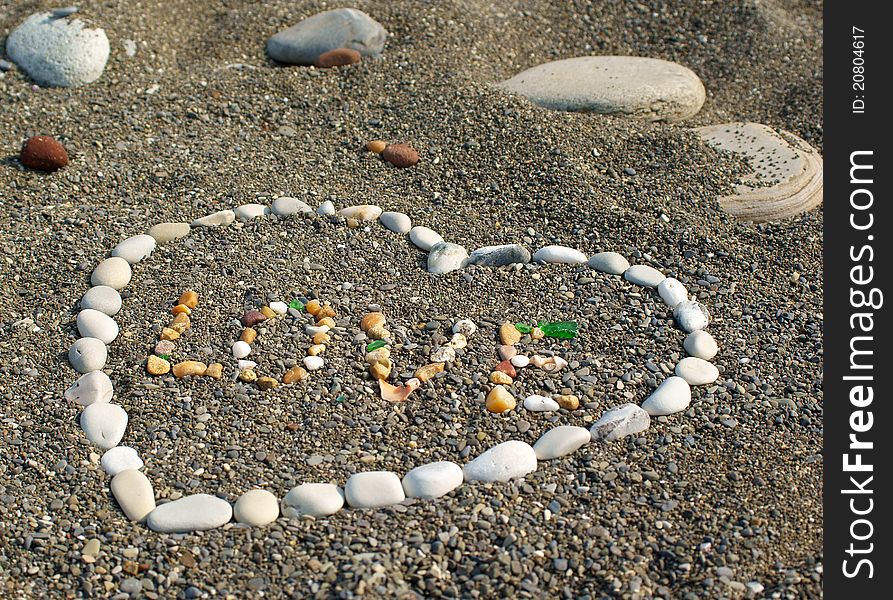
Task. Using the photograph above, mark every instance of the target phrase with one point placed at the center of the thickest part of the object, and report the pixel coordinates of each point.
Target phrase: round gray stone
(87, 354)
(113, 272)
(103, 298)
(135, 249)
(396, 221)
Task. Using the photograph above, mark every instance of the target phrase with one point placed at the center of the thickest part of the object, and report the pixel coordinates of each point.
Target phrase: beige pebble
(325, 311)
(377, 355)
(428, 371)
(188, 298)
(169, 334)
(180, 323)
(381, 370)
(371, 320)
(378, 332)
(189, 367)
(214, 370)
(316, 349)
(247, 375)
(266, 383)
(181, 308)
(509, 334)
(500, 378)
(249, 334)
(376, 146)
(268, 312)
(313, 307)
(320, 338)
(537, 334)
(294, 374)
(567, 401)
(328, 321)
(500, 400)
(157, 366)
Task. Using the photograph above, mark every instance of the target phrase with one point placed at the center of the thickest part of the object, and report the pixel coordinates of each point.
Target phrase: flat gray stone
(433, 480)
(302, 43)
(91, 387)
(55, 51)
(326, 208)
(94, 324)
(499, 256)
(103, 298)
(286, 207)
(396, 221)
(633, 86)
(135, 249)
(373, 489)
(199, 512)
(445, 257)
(313, 499)
(113, 272)
(609, 262)
(168, 232)
(87, 354)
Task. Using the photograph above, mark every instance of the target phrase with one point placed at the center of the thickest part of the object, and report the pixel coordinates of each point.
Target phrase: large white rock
(446, 257)
(134, 493)
(256, 508)
(102, 298)
(672, 292)
(673, 395)
(424, 238)
(624, 420)
(314, 499)
(114, 272)
(91, 387)
(537, 403)
(217, 219)
(302, 44)
(701, 344)
(168, 232)
(609, 262)
(502, 462)
(696, 371)
(135, 248)
(691, 315)
(192, 513)
(87, 354)
(373, 489)
(634, 86)
(644, 275)
(561, 441)
(285, 207)
(94, 324)
(559, 255)
(57, 51)
(246, 212)
(104, 424)
(432, 480)
(120, 458)
(396, 221)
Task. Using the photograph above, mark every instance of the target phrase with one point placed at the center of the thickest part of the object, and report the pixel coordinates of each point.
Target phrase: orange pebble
(181, 308)
(188, 298)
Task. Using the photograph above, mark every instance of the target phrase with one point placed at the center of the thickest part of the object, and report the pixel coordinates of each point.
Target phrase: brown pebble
(188, 298)
(268, 312)
(428, 371)
(509, 334)
(248, 335)
(169, 334)
(252, 318)
(214, 370)
(247, 375)
(313, 307)
(507, 368)
(352, 223)
(400, 155)
(266, 383)
(320, 338)
(500, 378)
(316, 350)
(328, 321)
(376, 146)
(294, 374)
(382, 369)
(43, 153)
(325, 311)
(180, 323)
(156, 365)
(292, 426)
(339, 57)
(164, 347)
(370, 320)
(568, 401)
(378, 332)
(189, 367)
(181, 309)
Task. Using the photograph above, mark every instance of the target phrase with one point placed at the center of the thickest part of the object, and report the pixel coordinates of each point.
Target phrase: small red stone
(43, 153)
(339, 57)
(400, 155)
(507, 367)
(252, 318)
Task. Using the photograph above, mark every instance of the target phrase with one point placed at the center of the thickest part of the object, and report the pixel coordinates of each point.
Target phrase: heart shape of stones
(105, 423)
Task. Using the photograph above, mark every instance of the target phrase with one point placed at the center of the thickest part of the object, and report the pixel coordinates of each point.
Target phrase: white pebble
(135, 249)
(256, 508)
(644, 275)
(102, 298)
(701, 344)
(91, 387)
(104, 424)
(120, 458)
(280, 308)
(285, 207)
(559, 255)
(134, 494)
(432, 480)
(619, 422)
(561, 441)
(94, 324)
(374, 489)
(609, 262)
(691, 315)
(314, 499)
(520, 360)
(466, 327)
(245, 364)
(192, 513)
(326, 209)
(696, 371)
(246, 212)
(673, 395)
(241, 349)
(537, 403)
(672, 292)
(87, 354)
(114, 272)
(221, 217)
(424, 238)
(313, 363)
(502, 462)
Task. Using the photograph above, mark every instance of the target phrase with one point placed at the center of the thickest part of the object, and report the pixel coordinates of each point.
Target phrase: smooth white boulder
(313, 499)
(216, 219)
(502, 462)
(433, 480)
(691, 315)
(559, 255)
(609, 262)
(446, 257)
(246, 212)
(114, 272)
(102, 298)
(701, 344)
(624, 420)
(104, 424)
(94, 324)
(120, 458)
(373, 489)
(673, 395)
(286, 207)
(91, 387)
(561, 441)
(56, 51)
(644, 275)
(199, 512)
(87, 354)
(241, 349)
(256, 508)
(424, 238)
(672, 291)
(537, 403)
(135, 248)
(168, 232)
(134, 493)
(696, 371)
(396, 221)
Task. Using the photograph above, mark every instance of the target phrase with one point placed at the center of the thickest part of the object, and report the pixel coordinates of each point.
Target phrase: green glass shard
(376, 345)
(523, 328)
(296, 304)
(562, 329)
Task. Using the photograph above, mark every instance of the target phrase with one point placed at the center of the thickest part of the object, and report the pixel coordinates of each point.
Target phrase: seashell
(466, 327)
(458, 341)
(393, 393)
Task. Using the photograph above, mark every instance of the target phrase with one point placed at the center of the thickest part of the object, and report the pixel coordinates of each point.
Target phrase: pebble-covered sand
(190, 117)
